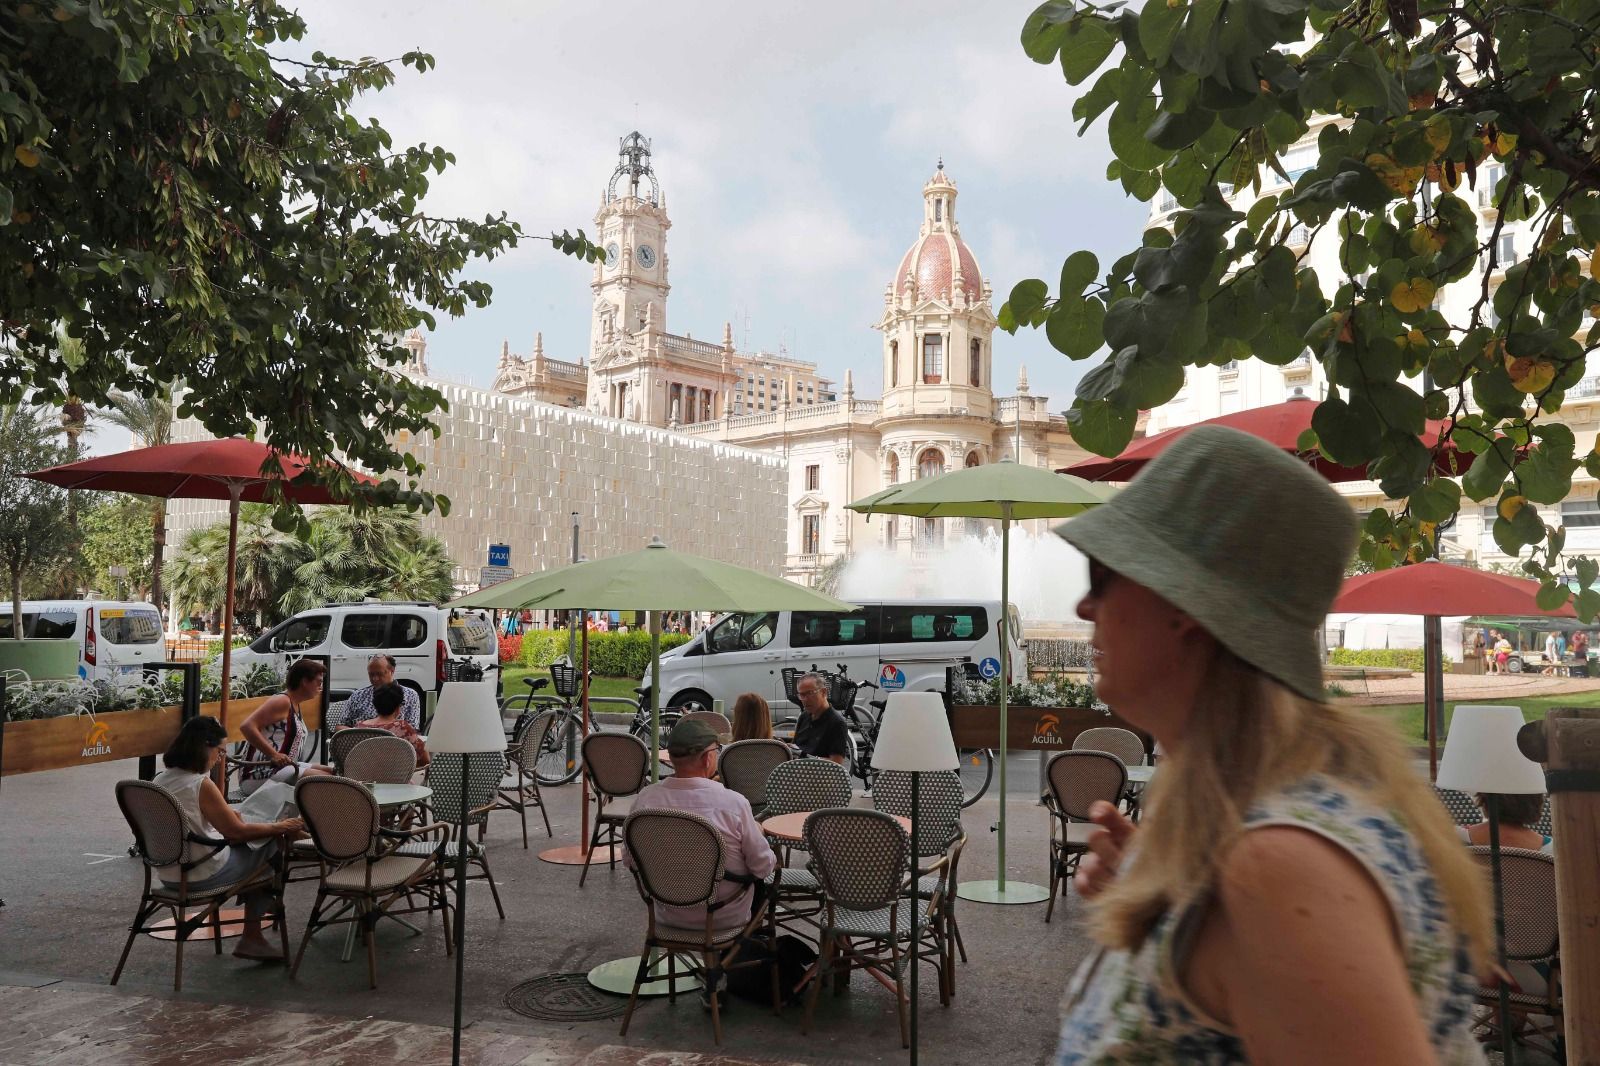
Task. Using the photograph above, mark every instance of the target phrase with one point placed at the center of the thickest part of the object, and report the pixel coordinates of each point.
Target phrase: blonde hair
(1248, 737)
(752, 718)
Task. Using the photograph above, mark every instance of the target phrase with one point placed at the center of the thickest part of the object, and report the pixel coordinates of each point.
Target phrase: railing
(1584, 387)
(801, 413)
(704, 349)
(563, 369)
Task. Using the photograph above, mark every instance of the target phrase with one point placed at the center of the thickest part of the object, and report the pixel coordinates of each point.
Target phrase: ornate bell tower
(630, 285)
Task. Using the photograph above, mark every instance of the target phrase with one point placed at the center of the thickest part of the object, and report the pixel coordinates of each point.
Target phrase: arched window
(938, 210)
(930, 463)
(974, 459)
(894, 364)
(975, 363)
(932, 358)
(892, 469)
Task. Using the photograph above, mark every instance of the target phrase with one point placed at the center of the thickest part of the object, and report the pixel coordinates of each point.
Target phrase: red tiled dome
(928, 262)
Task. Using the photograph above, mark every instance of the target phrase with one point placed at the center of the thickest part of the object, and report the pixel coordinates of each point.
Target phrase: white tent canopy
(1359, 631)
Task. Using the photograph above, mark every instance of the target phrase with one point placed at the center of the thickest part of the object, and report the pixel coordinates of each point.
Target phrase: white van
(897, 645)
(420, 636)
(115, 639)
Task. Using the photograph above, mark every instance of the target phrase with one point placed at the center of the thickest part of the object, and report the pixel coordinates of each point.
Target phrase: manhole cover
(564, 997)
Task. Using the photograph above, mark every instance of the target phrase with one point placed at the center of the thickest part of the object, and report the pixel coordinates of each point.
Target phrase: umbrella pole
(1005, 674)
(655, 695)
(583, 680)
(1433, 688)
(234, 491)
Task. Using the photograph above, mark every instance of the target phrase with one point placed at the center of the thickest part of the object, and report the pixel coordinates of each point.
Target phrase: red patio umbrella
(1434, 589)
(232, 469)
(1280, 424)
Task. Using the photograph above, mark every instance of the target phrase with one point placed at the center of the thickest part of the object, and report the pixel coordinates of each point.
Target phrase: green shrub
(610, 654)
(1405, 658)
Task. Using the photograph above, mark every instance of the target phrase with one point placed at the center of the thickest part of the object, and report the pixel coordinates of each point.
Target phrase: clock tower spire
(630, 284)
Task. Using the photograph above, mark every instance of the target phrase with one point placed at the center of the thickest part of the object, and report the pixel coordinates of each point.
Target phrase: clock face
(613, 254)
(647, 256)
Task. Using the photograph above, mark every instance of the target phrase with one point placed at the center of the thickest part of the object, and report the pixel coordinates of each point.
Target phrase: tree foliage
(1410, 105)
(148, 419)
(116, 531)
(34, 534)
(191, 204)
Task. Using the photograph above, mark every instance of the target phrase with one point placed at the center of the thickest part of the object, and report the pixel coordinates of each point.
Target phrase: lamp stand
(461, 911)
(1507, 1045)
(916, 911)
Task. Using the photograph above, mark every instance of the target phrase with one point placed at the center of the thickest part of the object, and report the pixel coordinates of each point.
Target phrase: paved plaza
(70, 890)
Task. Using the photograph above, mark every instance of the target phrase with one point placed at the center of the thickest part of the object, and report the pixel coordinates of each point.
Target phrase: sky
(791, 142)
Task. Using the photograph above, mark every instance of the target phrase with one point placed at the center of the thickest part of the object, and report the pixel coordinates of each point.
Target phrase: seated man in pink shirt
(745, 851)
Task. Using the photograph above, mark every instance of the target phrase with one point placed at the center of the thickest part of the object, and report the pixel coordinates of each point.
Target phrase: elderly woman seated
(1519, 813)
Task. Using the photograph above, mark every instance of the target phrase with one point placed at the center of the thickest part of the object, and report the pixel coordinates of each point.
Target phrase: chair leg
(824, 966)
(216, 927)
(180, 936)
(311, 926)
(594, 839)
(522, 813)
(538, 797)
(633, 996)
(283, 922)
(483, 861)
(146, 909)
(713, 972)
(900, 990)
(369, 921)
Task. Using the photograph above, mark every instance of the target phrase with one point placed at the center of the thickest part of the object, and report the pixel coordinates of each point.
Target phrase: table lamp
(1481, 755)
(914, 737)
(466, 723)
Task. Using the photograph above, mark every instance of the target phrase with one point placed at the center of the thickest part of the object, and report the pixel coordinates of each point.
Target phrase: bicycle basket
(791, 678)
(564, 676)
(841, 691)
(462, 670)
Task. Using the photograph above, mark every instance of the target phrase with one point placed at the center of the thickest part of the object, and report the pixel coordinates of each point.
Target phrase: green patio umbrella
(1009, 492)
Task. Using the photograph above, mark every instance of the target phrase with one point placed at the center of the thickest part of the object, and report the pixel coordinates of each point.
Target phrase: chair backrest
(1464, 810)
(340, 743)
(336, 712)
(532, 740)
(807, 785)
(340, 814)
(1123, 743)
(861, 857)
(938, 805)
(1079, 778)
(388, 760)
(715, 719)
(483, 783)
(678, 856)
(1529, 880)
(617, 764)
(159, 831)
(746, 765)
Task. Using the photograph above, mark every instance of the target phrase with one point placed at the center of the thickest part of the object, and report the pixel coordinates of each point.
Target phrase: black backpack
(754, 983)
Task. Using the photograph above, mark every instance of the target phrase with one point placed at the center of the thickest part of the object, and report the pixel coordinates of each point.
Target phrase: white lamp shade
(915, 734)
(1481, 753)
(467, 719)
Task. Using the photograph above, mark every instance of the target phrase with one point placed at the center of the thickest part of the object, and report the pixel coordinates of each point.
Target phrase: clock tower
(630, 284)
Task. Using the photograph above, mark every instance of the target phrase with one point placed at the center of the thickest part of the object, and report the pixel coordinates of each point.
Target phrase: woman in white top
(277, 730)
(189, 761)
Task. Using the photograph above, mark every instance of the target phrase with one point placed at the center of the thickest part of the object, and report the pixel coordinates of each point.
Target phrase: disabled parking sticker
(891, 678)
(989, 669)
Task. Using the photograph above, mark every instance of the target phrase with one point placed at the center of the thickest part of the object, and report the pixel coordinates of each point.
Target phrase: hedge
(610, 654)
(1405, 658)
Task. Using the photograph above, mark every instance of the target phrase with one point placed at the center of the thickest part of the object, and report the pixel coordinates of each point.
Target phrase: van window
(365, 631)
(817, 629)
(298, 634)
(118, 626)
(53, 624)
(471, 635)
(742, 632)
(406, 631)
(906, 625)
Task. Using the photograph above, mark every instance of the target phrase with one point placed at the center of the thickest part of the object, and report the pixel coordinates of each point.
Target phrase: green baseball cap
(1240, 536)
(690, 737)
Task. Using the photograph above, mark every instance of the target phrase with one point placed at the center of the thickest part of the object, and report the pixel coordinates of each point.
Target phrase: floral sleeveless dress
(287, 737)
(1128, 1007)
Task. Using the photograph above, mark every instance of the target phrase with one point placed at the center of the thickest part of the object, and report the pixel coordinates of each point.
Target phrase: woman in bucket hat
(1293, 893)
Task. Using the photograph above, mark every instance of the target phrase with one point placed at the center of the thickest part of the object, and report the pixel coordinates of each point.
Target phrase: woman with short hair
(196, 751)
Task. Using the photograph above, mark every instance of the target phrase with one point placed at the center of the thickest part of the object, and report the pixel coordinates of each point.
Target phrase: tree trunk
(16, 603)
(158, 550)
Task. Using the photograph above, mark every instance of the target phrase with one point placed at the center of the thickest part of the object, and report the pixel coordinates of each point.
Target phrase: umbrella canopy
(1279, 424)
(655, 578)
(232, 469)
(1007, 491)
(1432, 589)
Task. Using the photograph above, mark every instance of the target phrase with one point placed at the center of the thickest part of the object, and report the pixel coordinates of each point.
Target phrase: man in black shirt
(822, 731)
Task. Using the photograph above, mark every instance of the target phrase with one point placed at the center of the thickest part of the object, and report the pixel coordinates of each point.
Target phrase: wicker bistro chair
(483, 786)
(803, 785)
(1529, 880)
(939, 834)
(618, 766)
(1076, 780)
(162, 838)
(341, 743)
(386, 759)
(746, 765)
(362, 878)
(862, 860)
(521, 790)
(678, 861)
(1126, 745)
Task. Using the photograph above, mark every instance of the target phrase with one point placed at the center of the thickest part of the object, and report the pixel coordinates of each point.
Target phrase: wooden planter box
(79, 740)
(1029, 728)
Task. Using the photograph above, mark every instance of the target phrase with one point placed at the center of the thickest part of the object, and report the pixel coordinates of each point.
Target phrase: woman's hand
(289, 825)
(280, 760)
(1098, 869)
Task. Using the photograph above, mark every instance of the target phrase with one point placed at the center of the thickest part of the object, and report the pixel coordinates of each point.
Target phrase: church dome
(939, 261)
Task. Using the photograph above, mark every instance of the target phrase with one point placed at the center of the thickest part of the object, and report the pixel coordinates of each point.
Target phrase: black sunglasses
(1100, 576)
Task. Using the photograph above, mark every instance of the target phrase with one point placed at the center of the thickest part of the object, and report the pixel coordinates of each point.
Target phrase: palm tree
(149, 419)
(419, 573)
(264, 565)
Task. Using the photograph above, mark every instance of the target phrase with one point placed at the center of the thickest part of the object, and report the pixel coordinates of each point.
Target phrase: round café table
(1140, 775)
(791, 827)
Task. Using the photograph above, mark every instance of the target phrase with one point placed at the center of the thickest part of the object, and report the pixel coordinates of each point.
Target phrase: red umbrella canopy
(1280, 424)
(200, 470)
(1441, 589)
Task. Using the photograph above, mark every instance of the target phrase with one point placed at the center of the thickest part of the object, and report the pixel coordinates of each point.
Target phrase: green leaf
(1080, 269)
(1552, 597)
(1130, 120)
(1437, 500)
(1347, 433)
(1488, 472)
(1087, 44)
(1145, 380)
(1587, 604)
(1027, 298)
(1044, 31)
(1100, 426)
(1076, 327)
(1158, 26)
(1006, 319)
(1173, 131)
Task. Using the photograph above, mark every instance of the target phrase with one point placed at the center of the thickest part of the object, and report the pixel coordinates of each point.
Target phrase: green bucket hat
(1240, 536)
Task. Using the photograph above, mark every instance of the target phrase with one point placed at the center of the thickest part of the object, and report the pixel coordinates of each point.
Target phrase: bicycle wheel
(561, 757)
(977, 767)
(640, 726)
